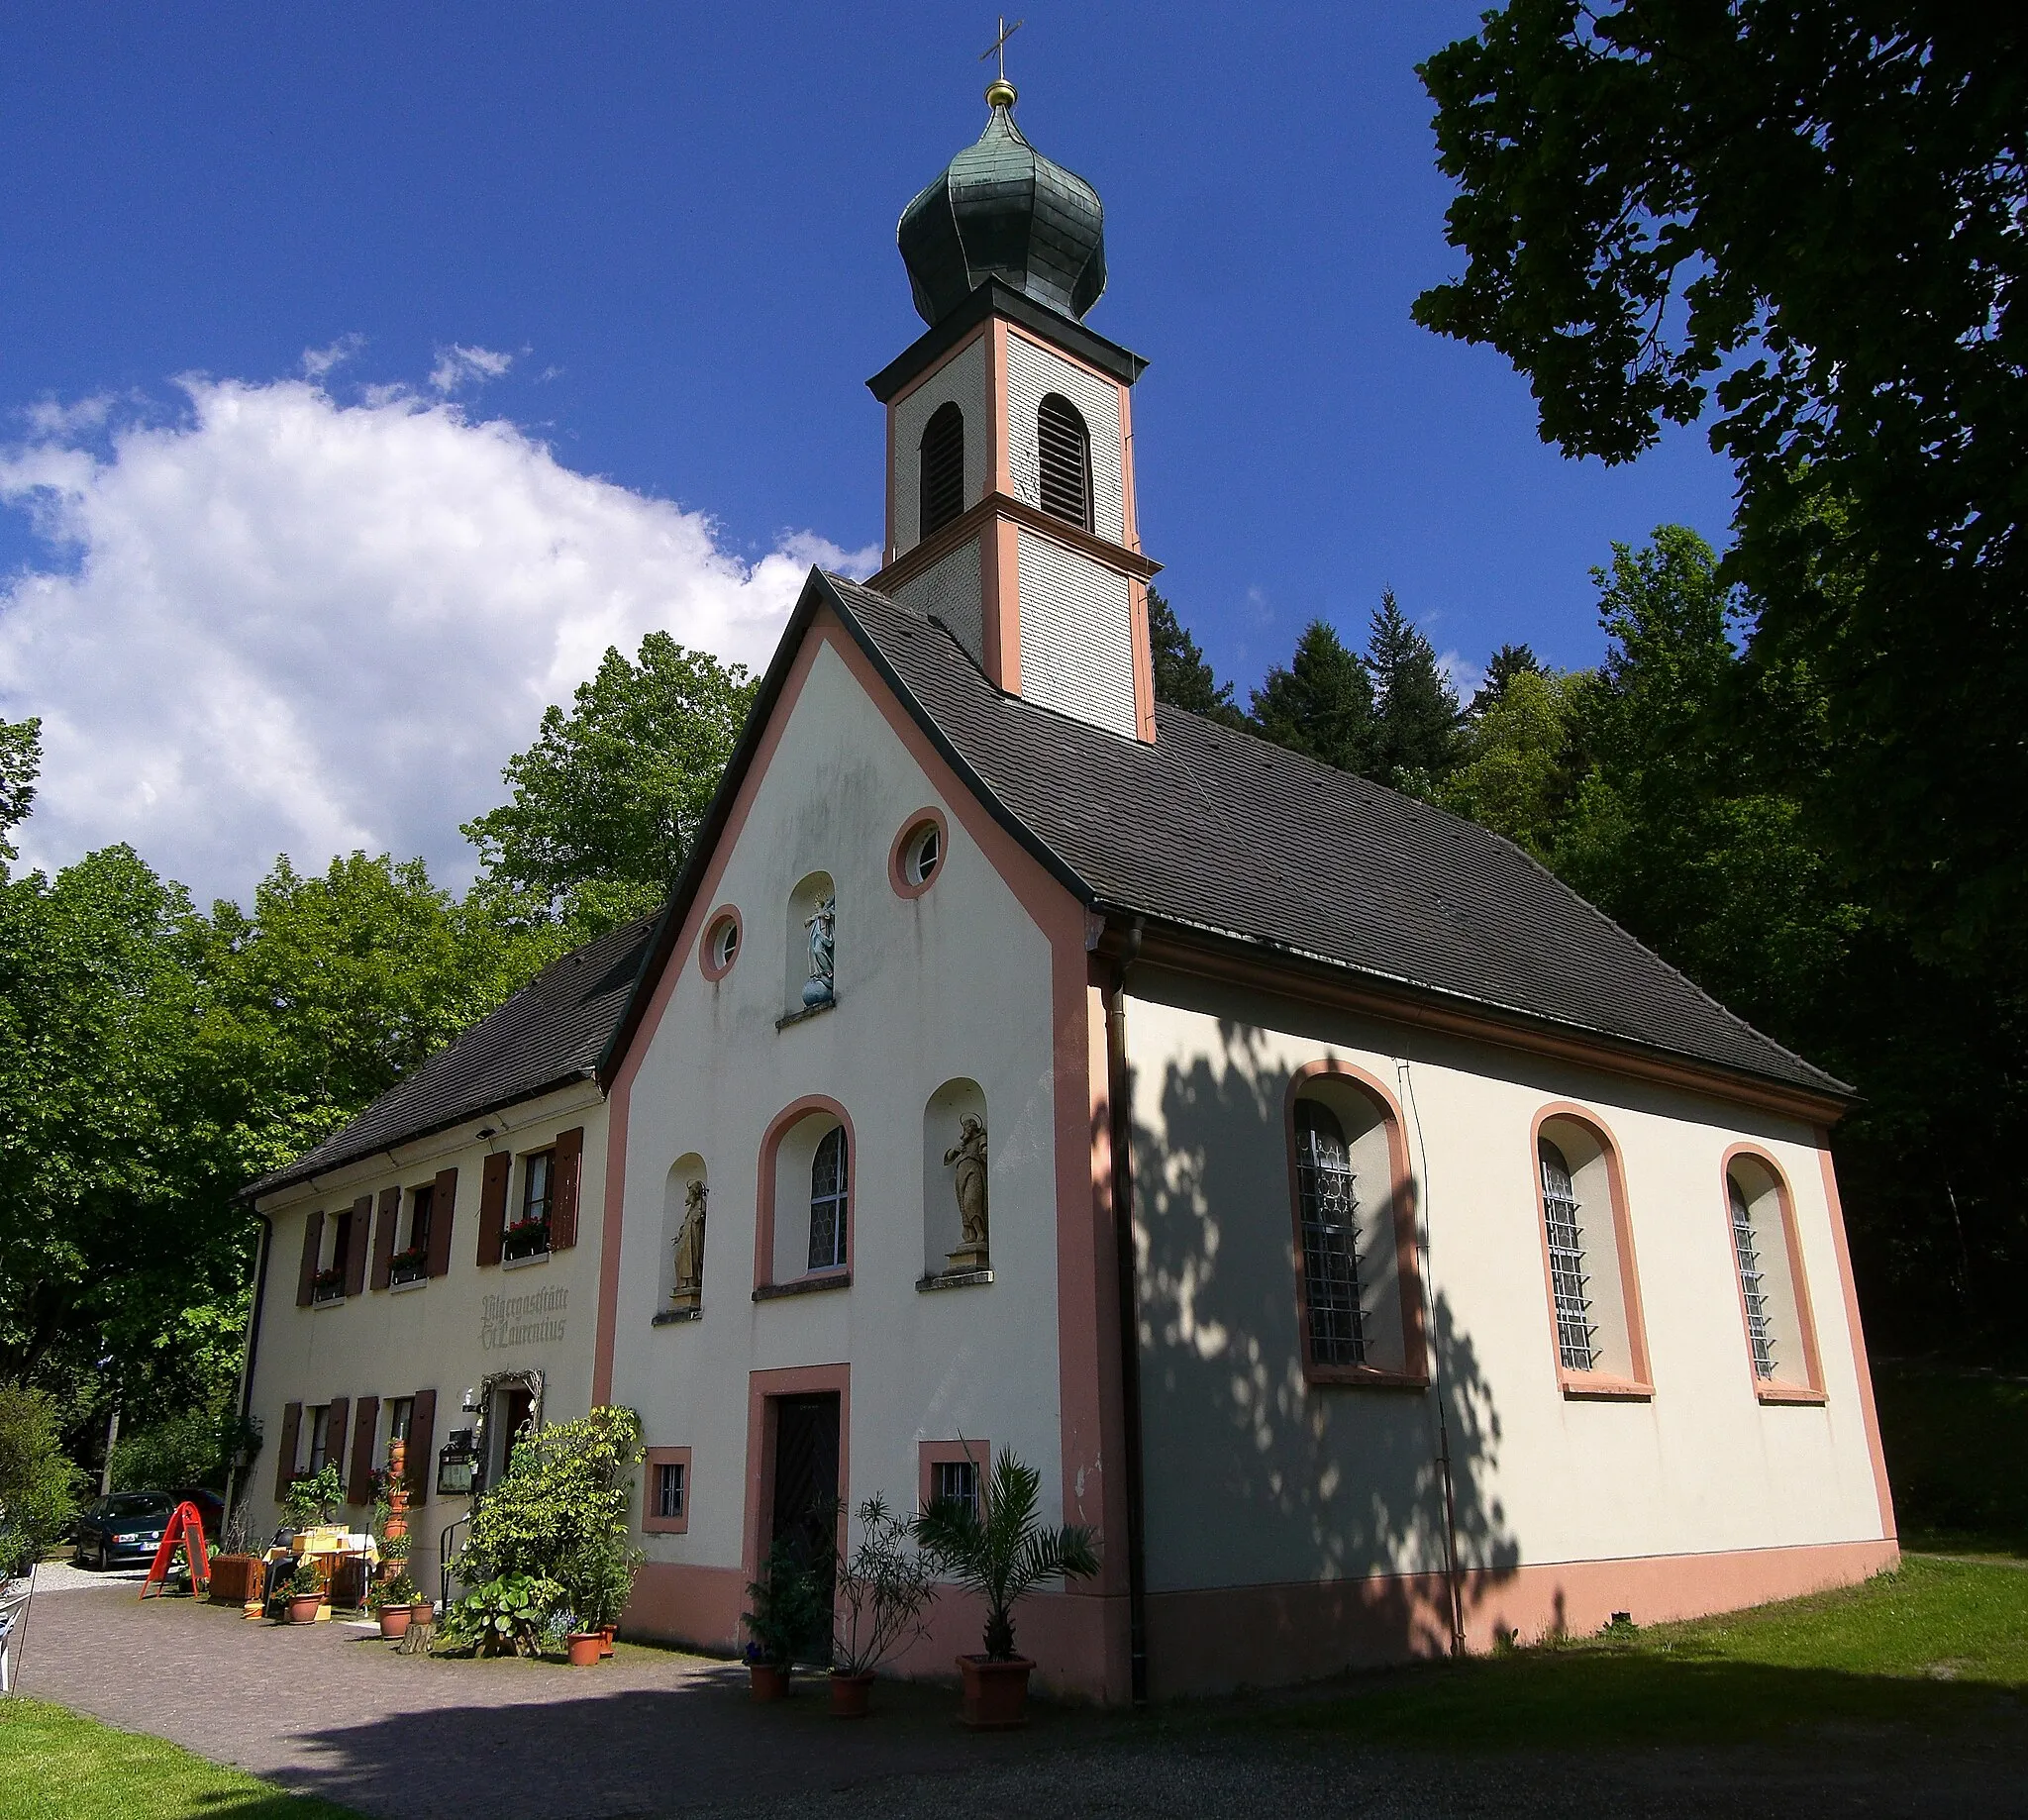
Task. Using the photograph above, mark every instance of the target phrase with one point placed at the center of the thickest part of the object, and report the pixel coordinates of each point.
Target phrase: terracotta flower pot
(606, 1633)
(394, 1620)
(851, 1694)
(421, 1611)
(304, 1609)
(584, 1649)
(768, 1682)
(995, 1693)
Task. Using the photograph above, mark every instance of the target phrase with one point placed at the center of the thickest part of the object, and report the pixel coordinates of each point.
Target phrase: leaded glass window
(1329, 1221)
(1750, 1284)
(1575, 1331)
(827, 1201)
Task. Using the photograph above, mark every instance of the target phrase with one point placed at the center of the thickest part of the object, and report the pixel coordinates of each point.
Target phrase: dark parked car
(122, 1531)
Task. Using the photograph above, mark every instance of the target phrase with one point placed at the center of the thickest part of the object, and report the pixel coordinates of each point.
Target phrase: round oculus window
(723, 944)
(922, 853)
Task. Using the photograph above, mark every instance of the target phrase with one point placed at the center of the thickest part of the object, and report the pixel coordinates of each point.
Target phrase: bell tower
(1010, 440)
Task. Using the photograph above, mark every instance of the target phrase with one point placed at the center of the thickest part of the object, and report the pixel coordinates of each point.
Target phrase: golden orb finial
(1000, 93)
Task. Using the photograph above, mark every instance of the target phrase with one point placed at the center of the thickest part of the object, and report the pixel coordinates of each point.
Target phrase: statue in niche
(969, 1158)
(690, 1282)
(822, 925)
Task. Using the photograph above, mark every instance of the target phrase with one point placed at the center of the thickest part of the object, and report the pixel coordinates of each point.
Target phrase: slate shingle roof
(1215, 829)
(551, 1032)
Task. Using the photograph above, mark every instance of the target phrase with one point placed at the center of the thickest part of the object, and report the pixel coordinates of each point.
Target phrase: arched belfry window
(828, 1201)
(942, 469)
(1064, 446)
(1328, 1193)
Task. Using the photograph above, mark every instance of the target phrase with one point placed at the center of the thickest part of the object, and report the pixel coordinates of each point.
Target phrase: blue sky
(677, 221)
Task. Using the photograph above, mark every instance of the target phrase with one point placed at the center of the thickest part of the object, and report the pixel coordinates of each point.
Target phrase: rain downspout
(1453, 1579)
(1121, 1139)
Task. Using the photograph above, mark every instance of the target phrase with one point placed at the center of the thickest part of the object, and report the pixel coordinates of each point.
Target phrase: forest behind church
(1798, 771)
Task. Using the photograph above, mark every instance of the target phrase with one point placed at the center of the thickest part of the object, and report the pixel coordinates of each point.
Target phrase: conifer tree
(1322, 704)
(1182, 675)
(1509, 662)
(1415, 708)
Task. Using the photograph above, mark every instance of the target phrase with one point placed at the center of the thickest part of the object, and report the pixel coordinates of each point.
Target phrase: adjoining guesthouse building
(1377, 1246)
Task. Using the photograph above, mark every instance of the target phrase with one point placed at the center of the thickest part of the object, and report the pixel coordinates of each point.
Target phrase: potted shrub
(786, 1608)
(1001, 1553)
(505, 1617)
(883, 1593)
(237, 1575)
(306, 1592)
(394, 1602)
(310, 1500)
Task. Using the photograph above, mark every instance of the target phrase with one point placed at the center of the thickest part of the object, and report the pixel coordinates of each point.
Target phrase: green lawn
(55, 1764)
(1957, 1447)
(1937, 1644)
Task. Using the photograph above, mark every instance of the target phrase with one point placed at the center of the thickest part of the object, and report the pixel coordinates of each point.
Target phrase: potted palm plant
(1002, 1552)
(786, 1608)
(883, 1593)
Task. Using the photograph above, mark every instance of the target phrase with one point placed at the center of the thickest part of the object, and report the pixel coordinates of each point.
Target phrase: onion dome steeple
(1001, 210)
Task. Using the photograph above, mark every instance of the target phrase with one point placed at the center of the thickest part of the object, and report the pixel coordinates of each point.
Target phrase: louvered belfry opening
(942, 469)
(1064, 446)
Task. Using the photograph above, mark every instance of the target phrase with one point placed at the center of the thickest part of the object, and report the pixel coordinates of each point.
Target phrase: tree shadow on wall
(1334, 1495)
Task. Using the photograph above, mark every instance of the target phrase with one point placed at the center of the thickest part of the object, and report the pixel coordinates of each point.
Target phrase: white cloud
(317, 362)
(1464, 675)
(285, 624)
(456, 363)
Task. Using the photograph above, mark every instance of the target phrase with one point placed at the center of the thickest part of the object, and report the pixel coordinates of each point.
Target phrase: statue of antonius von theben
(969, 1158)
(689, 1278)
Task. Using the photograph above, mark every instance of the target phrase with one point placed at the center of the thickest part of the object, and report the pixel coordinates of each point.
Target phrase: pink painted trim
(1214, 1640)
(681, 1602)
(619, 1097)
(1401, 1194)
(1002, 542)
(763, 1223)
(904, 837)
(1144, 658)
(1000, 446)
(705, 965)
(1777, 1390)
(1869, 1414)
(761, 1387)
(1641, 1385)
(650, 1523)
(1130, 511)
(948, 1454)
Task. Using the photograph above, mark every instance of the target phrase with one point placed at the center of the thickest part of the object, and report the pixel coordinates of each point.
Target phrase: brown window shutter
(569, 1166)
(355, 1250)
(313, 1238)
(493, 1206)
(443, 1203)
(422, 1446)
(383, 1231)
(334, 1435)
(365, 1419)
(285, 1449)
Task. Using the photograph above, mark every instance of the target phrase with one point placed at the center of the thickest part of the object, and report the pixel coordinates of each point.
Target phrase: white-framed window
(829, 1213)
(319, 1426)
(923, 855)
(528, 1233)
(1570, 1285)
(725, 943)
(1753, 1282)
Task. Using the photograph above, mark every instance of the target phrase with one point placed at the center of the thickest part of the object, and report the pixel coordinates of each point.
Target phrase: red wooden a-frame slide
(185, 1531)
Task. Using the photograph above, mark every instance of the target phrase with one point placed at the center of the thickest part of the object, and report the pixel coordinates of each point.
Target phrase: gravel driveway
(329, 1708)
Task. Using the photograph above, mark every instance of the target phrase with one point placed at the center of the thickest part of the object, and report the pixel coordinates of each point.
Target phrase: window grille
(941, 469)
(1750, 1284)
(827, 1202)
(1574, 1331)
(668, 1489)
(1065, 447)
(1330, 1217)
(956, 1481)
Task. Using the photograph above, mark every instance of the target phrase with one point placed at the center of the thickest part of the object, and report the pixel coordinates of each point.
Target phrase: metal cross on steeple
(999, 45)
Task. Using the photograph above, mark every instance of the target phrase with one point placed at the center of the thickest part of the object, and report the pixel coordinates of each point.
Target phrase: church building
(1374, 1243)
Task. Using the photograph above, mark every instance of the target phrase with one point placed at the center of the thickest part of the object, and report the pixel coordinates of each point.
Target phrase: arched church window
(1562, 1219)
(941, 469)
(1775, 1302)
(1064, 446)
(1753, 1282)
(1328, 1194)
(827, 1211)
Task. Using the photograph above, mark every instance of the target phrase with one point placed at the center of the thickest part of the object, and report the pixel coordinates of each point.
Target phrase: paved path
(330, 1708)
